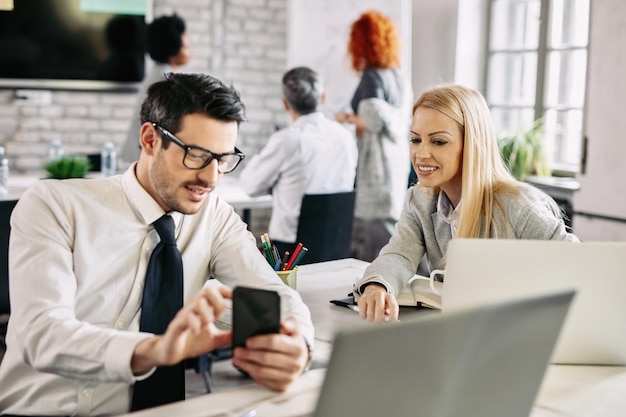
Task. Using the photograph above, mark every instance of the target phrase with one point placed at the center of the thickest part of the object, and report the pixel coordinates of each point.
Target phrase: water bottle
(4, 173)
(108, 162)
(55, 151)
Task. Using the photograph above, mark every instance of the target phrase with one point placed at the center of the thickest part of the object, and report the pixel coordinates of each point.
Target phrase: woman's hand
(353, 119)
(377, 305)
(342, 117)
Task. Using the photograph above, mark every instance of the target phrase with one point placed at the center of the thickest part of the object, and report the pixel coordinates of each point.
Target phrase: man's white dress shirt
(315, 155)
(78, 255)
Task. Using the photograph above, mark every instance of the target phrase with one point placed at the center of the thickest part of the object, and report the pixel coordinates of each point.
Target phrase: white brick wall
(239, 41)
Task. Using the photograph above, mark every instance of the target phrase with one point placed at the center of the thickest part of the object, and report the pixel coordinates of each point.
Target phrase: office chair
(325, 226)
(6, 208)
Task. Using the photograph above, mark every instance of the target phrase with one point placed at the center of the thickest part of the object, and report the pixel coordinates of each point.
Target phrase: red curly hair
(374, 42)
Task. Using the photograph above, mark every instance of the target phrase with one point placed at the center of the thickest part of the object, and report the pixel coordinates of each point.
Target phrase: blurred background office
(531, 58)
(167, 44)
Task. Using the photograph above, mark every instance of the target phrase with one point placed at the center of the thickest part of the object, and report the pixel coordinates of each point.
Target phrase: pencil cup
(289, 277)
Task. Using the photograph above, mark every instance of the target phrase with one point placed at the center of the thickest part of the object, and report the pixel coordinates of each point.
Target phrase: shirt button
(86, 392)
(120, 325)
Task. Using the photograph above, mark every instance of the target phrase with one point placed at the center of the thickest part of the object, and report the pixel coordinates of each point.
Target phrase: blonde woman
(464, 191)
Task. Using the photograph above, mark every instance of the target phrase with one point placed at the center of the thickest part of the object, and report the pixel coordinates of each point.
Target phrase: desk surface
(231, 190)
(573, 391)
(18, 184)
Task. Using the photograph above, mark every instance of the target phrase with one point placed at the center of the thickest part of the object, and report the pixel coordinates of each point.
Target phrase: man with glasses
(198, 158)
(80, 251)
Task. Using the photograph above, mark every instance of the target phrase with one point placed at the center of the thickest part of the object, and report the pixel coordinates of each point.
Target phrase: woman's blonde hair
(484, 175)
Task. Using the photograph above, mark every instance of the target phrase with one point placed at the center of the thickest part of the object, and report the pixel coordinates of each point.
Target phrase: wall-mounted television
(73, 44)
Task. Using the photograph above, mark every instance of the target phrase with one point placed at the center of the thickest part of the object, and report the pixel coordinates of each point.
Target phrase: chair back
(6, 208)
(325, 226)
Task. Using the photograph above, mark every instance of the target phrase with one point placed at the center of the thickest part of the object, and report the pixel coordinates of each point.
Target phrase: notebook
(487, 361)
(419, 293)
(484, 270)
(416, 293)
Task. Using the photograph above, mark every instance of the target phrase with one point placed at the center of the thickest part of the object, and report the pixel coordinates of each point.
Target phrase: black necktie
(162, 298)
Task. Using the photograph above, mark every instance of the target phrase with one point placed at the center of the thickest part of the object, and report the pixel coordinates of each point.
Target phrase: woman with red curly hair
(381, 115)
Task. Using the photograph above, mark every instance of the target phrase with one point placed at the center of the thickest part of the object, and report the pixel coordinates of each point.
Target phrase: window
(536, 68)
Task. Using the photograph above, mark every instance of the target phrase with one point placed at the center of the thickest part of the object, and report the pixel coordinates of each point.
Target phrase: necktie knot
(165, 228)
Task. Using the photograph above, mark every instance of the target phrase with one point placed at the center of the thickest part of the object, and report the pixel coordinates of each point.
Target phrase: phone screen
(255, 311)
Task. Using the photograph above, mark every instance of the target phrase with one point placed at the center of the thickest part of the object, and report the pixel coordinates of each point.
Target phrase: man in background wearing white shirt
(314, 155)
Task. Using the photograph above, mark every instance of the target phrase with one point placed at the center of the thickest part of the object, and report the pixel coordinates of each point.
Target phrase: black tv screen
(66, 43)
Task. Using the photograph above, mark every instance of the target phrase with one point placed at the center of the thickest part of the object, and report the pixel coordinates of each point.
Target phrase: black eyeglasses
(197, 158)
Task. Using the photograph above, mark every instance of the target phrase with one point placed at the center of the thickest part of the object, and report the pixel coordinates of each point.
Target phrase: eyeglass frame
(187, 148)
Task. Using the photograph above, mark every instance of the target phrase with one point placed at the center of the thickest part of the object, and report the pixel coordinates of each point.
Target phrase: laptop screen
(479, 271)
(456, 364)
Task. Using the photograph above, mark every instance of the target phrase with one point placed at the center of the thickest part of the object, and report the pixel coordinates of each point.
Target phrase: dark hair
(180, 94)
(164, 37)
(302, 88)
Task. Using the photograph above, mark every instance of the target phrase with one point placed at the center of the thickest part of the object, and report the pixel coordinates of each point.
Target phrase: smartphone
(255, 311)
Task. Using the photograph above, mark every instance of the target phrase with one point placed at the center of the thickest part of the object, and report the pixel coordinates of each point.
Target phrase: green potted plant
(522, 151)
(71, 166)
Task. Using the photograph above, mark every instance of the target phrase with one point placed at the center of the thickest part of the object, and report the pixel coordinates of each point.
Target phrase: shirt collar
(445, 210)
(141, 201)
(314, 117)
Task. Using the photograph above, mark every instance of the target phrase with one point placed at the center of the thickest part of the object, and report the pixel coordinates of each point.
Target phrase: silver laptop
(484, 270)
(482, 362)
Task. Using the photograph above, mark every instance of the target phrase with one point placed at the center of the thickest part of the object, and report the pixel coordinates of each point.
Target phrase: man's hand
(191, 333)
(274, 360)
(376, 304)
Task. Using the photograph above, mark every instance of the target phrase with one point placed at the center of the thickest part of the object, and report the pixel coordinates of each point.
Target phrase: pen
(267, 251)
(301, 254)
(285, 259)
(277, 265)
(276, 257)
(270, 248)
(356, 309)
(293, 257)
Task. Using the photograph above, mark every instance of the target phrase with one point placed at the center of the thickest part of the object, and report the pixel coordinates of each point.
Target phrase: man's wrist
(142, 360)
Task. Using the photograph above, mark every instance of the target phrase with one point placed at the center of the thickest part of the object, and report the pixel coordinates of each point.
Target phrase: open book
(417, 292)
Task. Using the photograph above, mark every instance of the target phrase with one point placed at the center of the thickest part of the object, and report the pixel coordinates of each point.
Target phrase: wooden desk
(572, 391)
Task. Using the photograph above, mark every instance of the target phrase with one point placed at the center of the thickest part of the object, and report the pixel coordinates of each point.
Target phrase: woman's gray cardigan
(422, 233)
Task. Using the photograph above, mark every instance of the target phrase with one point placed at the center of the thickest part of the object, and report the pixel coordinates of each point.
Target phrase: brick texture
(242, 42)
